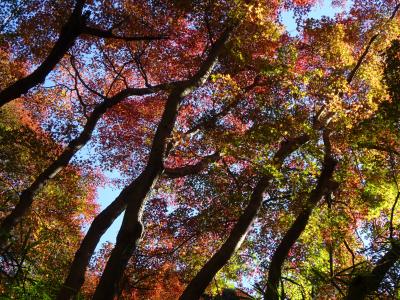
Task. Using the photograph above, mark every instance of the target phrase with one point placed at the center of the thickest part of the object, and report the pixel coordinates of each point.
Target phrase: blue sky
(324, 8)
(107, 194)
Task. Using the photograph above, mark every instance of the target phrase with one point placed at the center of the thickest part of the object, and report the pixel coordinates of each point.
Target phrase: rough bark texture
(365, 284)
(323, 186)
(69, 33)
(203, 278)
(27, 196)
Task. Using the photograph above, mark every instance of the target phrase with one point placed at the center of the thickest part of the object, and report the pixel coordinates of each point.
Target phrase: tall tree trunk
(203, 278)
(365, 284)
(135, 193)
(103, 221)
(132, 228)
(99, 226)
(69, 33)
(324, 185)
(27, 196)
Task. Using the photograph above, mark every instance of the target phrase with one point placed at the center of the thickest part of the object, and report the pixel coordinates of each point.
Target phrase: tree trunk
(294, 232)
(99, 226)
(102, 222)
(132, 228)
(365, 284)
(203, 278)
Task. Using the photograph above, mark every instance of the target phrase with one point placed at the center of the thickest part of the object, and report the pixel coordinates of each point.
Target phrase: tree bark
(99, 226)
(203, 278)
(365, 284)
(27, 196)
(68, 35)
(323, 186)
(102, 222)
(191, 169)
(135, 193)
(132, 228)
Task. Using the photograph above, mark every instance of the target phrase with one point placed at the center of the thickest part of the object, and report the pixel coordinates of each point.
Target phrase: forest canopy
(252, 162)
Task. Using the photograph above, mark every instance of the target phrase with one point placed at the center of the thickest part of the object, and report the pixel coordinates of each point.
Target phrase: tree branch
(108, 34)
(191, 169)
(203, 278)
(324, 185)
(365, 284)
(69, 33)
(210, 120)
(367, 48)
(134, 194)
(27, 196)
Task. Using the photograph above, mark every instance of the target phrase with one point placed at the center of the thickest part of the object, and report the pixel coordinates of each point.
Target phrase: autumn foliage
(250, 162)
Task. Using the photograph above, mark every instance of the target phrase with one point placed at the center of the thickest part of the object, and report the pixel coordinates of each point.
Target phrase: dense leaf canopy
(252, 162)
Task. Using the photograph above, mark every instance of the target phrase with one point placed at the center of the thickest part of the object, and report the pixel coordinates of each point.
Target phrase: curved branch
(191, 169)
(27, 196)
(68, 35)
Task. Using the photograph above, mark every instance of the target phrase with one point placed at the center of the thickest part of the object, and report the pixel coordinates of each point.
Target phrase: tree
(248, 158)
(33, 264)
(75, 26)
